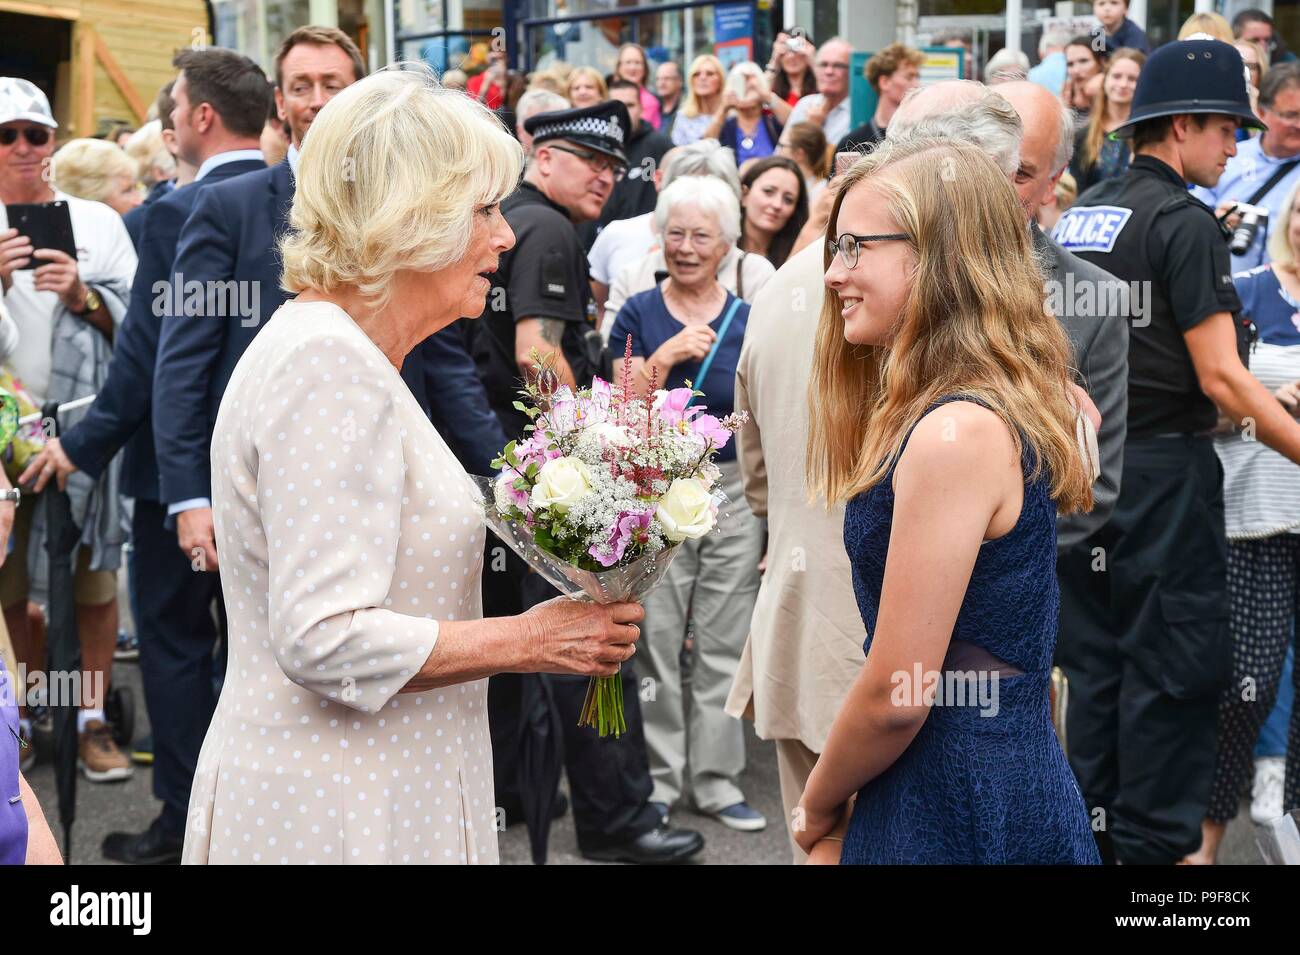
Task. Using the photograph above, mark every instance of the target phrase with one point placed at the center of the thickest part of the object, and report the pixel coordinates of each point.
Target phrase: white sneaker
(1266, 794)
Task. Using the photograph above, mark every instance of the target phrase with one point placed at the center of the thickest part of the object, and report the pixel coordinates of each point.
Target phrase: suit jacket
(233, 234)
(806, 634)
(230, 236)
(455, 398)
(134, 220)
(1100, 345)
(120, 415)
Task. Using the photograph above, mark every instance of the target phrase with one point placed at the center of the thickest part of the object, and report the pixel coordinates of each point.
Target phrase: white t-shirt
(621, 242)
(836, 126)
(103, 249)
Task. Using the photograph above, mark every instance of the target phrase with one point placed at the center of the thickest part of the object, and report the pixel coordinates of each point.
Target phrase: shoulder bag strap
(713, 352)
(1278, 174)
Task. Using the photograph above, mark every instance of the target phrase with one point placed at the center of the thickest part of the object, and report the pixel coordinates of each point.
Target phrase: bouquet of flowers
(603, 489)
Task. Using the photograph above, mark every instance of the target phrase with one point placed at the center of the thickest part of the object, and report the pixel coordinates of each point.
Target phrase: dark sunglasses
(35, 135)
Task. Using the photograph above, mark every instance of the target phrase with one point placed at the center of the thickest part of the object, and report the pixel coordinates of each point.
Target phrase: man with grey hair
(535, 101)
(774, 685)
(829, 106)
(1050, 71)
(963, 110)
(1098, 334)
(1005, 66)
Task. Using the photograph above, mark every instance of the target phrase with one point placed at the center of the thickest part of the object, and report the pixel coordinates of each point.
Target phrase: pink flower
(631, 527)
(535, 451)
(671, 406)
(602, 395)
(507, 492)
(710, 429)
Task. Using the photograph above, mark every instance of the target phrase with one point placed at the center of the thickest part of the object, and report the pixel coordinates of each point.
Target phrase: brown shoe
(100, 759)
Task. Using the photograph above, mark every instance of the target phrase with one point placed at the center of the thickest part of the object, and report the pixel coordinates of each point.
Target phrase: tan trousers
(712, 582)
(794, 763)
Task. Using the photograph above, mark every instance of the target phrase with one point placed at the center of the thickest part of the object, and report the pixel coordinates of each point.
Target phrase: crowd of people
(303, 567)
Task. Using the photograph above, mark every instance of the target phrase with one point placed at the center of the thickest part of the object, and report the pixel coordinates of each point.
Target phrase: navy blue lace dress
(984, 782)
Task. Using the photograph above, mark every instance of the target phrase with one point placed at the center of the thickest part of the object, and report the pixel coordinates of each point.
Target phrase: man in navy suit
(232, 234)
(220, 103)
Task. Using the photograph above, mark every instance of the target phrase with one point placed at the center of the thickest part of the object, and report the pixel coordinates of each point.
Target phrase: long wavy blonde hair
(973, 323)
(1090, 148)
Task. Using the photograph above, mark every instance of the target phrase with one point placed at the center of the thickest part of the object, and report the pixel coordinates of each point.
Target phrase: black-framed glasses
(595, 162)
(847, 245)
(35, 135)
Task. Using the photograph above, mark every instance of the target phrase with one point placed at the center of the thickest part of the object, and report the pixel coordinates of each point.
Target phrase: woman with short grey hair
(689, 328)
(628, 254)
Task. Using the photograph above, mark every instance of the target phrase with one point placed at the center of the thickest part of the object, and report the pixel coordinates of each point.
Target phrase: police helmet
(1191, 76)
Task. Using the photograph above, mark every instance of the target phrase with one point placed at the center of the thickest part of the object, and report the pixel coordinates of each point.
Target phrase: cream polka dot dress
(346, 531)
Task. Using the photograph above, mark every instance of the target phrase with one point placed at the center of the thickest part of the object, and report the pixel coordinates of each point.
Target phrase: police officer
(540, 305)
(1144, 638)
(540, 301)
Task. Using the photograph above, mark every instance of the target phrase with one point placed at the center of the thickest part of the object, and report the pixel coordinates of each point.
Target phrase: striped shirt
(1261, 489)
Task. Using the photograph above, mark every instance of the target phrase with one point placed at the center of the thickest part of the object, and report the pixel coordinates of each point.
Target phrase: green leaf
(520, 406)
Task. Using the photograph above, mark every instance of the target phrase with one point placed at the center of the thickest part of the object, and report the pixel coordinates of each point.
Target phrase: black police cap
(1191, 76)
(603, 127)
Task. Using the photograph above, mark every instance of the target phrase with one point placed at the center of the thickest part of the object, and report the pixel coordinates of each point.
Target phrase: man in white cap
(66, 309)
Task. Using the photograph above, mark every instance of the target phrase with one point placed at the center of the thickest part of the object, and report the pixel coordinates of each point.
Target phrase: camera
(1243, 237)
(795, 45)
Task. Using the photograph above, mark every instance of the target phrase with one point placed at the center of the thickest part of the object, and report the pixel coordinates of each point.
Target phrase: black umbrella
(540, 745)
(62, 647)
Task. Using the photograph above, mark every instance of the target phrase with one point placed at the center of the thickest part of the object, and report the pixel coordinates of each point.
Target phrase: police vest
(1110, 228)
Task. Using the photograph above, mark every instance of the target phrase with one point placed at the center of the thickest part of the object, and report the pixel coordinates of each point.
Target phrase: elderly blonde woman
(740, 123)
(99, 170)
(628, 255)
(352, 726)
(690, 328)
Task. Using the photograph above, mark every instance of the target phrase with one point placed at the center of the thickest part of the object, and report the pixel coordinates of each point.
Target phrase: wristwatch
(93, 301)
(13, 494)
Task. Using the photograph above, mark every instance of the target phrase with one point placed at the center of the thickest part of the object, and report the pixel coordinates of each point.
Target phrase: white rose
(684, 511)
(561, 483)
(615, 435)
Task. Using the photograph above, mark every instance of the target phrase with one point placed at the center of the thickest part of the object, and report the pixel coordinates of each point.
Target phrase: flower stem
(603, 708)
